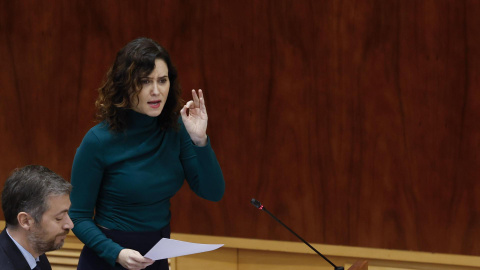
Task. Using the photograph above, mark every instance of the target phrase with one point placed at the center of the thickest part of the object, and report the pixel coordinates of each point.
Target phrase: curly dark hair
(123, 83)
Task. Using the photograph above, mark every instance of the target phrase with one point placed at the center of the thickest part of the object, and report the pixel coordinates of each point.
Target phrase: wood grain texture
(359, 265)
(354, 122)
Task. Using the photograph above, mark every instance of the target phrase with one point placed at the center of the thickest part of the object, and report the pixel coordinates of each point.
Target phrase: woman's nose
(156, 89)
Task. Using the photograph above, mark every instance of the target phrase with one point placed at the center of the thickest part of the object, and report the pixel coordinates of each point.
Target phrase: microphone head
(256, 203)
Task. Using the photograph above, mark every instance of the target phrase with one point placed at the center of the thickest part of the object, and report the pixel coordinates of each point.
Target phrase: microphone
(260, 206)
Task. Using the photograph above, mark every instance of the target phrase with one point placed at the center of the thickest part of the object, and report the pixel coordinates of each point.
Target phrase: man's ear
(25, 220)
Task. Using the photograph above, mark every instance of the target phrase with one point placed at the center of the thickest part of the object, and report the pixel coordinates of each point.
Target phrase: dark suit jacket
(12, 259)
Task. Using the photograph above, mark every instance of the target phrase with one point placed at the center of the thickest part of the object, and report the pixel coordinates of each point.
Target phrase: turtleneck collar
(139, 120)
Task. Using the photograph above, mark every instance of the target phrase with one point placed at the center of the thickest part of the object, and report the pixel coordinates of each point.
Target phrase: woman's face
(154, 93)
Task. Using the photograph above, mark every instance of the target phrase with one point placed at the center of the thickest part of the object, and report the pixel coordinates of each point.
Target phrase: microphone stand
(259, 205)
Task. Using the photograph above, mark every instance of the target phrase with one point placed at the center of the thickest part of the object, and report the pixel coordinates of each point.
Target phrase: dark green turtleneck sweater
(125, 180)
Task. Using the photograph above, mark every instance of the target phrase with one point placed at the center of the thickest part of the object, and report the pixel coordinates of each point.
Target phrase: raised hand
(196, 120)
(133, 260)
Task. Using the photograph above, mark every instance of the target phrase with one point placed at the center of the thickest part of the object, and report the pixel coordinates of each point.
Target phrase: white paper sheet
(169, 248)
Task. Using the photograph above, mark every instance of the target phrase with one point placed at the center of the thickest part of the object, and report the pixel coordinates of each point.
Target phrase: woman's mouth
(154, 104)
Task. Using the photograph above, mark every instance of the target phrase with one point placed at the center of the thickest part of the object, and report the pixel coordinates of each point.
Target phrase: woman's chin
(154, 113)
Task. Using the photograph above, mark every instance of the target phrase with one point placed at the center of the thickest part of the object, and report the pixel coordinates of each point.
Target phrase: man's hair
(28, 189)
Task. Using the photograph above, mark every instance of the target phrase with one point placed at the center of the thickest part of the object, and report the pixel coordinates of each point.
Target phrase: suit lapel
(12, 252)
(44, 263)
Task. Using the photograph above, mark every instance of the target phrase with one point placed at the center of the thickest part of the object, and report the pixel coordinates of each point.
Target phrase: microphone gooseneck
(260, 206)
(256, 203)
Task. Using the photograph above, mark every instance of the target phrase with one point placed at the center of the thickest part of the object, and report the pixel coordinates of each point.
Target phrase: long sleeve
(87, 173)
(202, 171)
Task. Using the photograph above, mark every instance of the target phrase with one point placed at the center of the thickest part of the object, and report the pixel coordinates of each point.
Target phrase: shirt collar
(32, 261)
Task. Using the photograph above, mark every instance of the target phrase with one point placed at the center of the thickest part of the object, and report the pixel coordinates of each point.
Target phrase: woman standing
(129, 165)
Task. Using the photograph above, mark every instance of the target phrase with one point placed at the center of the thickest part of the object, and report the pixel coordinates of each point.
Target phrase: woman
(129, 166)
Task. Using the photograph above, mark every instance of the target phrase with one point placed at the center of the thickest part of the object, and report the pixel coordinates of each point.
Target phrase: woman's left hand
(196, 120)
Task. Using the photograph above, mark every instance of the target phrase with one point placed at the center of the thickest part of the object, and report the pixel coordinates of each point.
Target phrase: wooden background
(354, 122)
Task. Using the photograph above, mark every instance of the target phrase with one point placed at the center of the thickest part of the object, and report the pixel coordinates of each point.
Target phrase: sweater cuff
(112, 259)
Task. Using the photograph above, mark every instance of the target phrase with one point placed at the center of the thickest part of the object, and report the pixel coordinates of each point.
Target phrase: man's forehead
(58, 203)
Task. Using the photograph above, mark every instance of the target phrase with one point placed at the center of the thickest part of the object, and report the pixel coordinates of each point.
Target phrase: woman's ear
(25, 220)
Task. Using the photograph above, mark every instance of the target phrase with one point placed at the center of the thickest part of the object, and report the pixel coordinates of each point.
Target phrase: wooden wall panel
(355, 122)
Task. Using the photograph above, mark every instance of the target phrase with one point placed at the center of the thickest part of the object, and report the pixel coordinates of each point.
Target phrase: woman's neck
(139, 120)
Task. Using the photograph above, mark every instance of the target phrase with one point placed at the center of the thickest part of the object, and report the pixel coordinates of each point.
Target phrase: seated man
(35, 202)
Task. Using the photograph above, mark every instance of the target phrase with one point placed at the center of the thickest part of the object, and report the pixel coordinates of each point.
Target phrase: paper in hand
(169, 248)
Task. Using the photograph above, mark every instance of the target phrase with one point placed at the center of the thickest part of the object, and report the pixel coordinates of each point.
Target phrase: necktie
(37, 267)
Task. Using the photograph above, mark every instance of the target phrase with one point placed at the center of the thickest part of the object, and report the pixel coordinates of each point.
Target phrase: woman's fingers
(202, 105)
(132, 259)
(196, 100)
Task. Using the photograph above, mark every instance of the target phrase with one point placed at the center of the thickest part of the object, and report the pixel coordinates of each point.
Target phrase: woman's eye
(163, 80)
(145, 81)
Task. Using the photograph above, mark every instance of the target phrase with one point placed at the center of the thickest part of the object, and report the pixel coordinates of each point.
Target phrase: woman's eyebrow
(148, 77)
